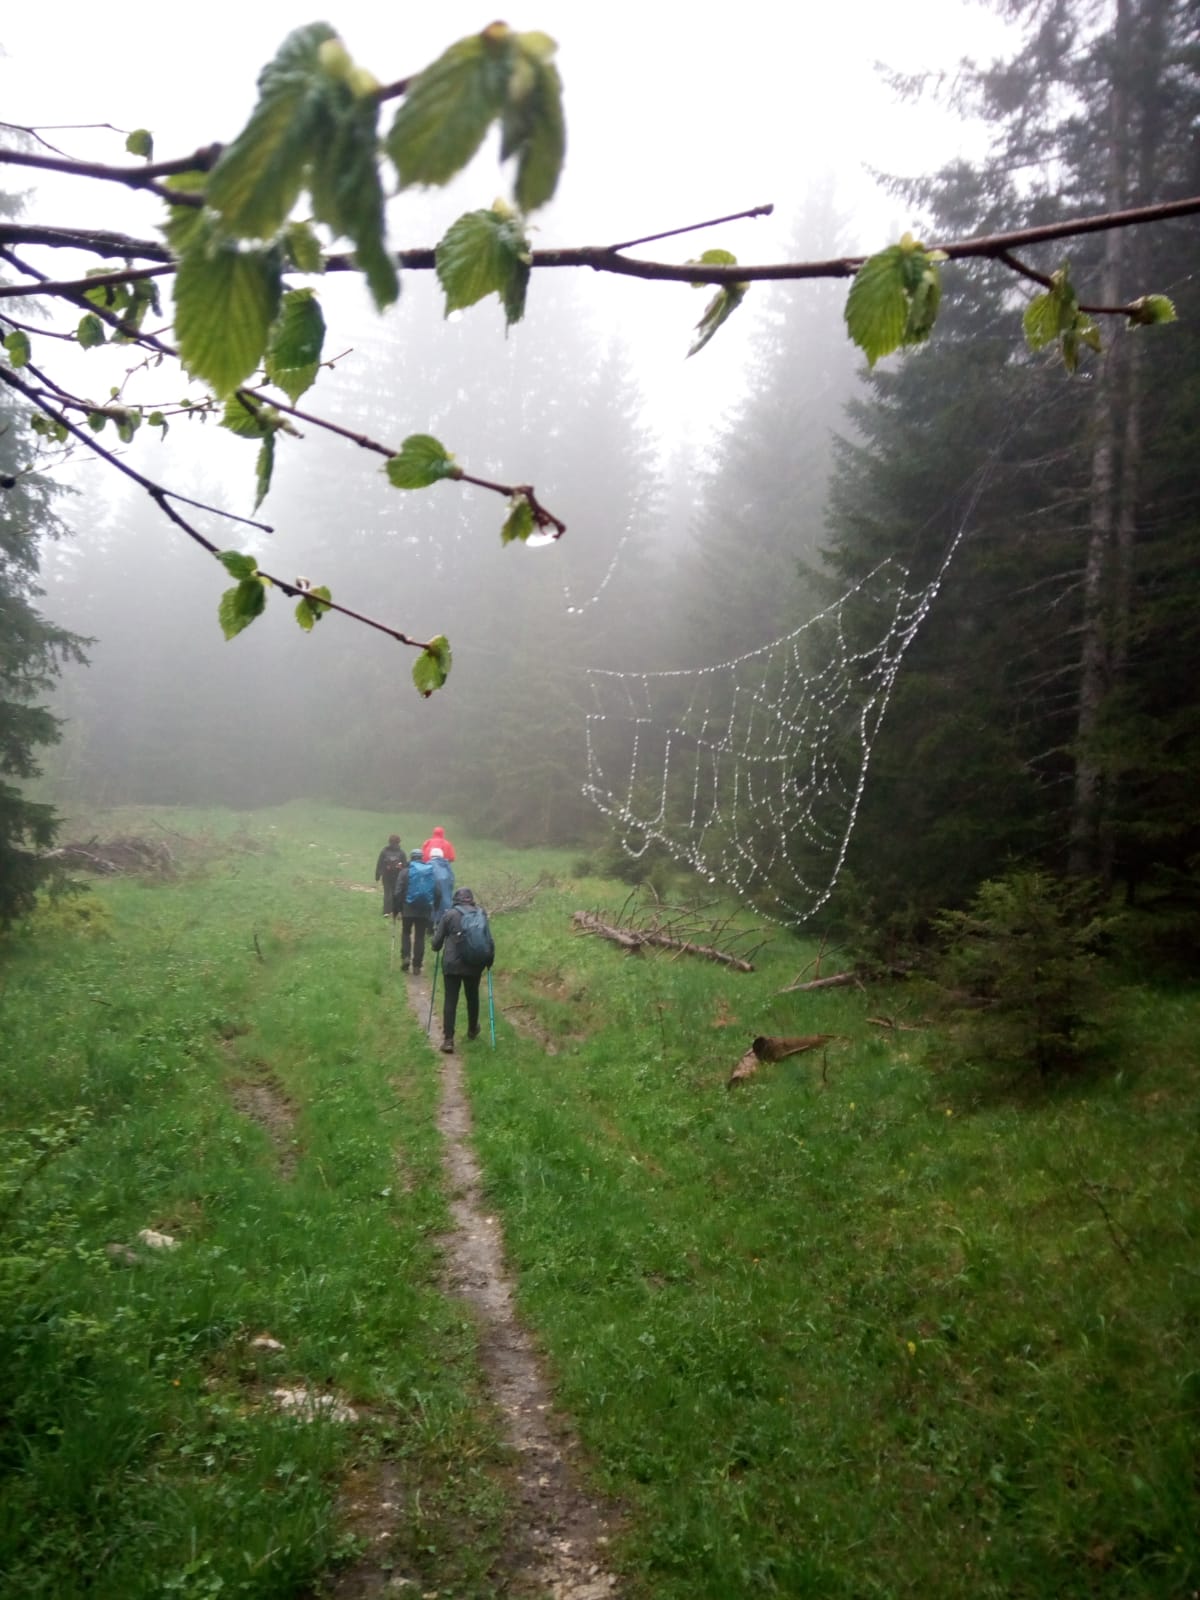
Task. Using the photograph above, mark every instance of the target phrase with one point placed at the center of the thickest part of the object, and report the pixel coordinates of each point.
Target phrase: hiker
(465, 940)
(417, 912)
(392, 860)
(437, 844)
(443, 887)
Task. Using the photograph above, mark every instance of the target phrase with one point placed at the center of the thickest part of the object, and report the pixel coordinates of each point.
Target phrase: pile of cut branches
(684, 930)
(126, 853)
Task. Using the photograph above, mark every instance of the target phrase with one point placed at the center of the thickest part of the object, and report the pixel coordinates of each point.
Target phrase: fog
(672, 117)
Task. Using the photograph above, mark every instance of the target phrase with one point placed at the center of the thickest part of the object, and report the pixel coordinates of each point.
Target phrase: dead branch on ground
(837, 981)
(508, 894)
(773, 1047)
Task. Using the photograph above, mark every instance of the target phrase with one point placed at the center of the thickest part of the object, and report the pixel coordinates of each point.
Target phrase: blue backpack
(443, 884)
(419, 899)
(475, 943)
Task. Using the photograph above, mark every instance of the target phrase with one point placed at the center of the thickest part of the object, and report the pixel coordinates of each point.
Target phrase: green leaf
(304, 248)
(421, 460)
(877, 305)
(157, 420)
(18, 348)
(718, 310)
(108, 296)
(532, 125)
(247, 420)
(237, 564)
(90, 331)
(312, 607)
(1054, 312)
(432, 666)
(186, 226)
(1041, 320)
(923, 283)
(711, 258)
(519, 522)
(225, 302)
(128, 420)
(259, 176)
(263, 468)
(295, 343)
(140, 143)
(141, 297)
(449, 107)
(96, 420)
(347, 193)
(239, 606)
(485, 252)
(1151, 309)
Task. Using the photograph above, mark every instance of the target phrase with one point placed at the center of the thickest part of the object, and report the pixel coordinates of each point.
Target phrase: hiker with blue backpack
(416, 902)
(463, 938)
(443, 887)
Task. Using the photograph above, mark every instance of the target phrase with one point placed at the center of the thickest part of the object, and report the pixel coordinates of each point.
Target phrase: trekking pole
(491, 1009)
(437, 961)
(392, 955)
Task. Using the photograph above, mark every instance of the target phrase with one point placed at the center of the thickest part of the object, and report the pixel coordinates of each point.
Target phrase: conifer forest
(740, 479)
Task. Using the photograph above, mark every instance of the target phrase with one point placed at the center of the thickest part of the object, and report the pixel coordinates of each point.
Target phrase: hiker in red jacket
(437, 844)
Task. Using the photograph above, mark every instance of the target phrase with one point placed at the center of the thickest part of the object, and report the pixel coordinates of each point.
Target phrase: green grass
(142, 1454)
(864, 1329)
(862, 1326)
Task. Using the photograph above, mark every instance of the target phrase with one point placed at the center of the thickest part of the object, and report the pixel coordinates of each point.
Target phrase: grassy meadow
(866, 1325)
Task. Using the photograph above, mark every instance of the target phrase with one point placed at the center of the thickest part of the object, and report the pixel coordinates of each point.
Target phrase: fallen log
(772, 1047)
(633, 939)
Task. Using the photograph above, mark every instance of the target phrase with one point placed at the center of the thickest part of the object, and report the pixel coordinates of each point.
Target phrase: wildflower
(912, 1349)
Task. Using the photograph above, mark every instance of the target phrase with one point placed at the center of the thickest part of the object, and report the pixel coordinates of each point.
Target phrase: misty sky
(674, 113)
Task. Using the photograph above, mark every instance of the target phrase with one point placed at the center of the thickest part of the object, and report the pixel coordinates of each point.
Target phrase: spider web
(751, 772)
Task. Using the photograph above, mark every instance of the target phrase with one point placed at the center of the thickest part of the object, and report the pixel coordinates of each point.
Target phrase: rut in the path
(559, 1531)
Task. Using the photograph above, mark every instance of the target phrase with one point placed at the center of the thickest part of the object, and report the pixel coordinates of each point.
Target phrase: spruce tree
(1037, 719)
(32, 651)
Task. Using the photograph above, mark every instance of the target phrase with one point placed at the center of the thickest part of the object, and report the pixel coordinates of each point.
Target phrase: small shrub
(75, 913)
(1021, 970)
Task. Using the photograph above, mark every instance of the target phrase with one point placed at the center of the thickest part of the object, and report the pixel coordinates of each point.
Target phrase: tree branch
(608, 258)
(74, 286)
(163, 497)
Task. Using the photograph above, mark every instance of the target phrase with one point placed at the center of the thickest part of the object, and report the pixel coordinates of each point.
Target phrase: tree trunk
(1085, 856)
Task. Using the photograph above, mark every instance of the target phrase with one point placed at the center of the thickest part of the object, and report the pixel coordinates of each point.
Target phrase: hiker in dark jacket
(391, 860)
(459, 970)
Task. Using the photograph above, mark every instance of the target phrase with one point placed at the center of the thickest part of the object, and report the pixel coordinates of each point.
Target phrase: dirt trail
(559, 1531)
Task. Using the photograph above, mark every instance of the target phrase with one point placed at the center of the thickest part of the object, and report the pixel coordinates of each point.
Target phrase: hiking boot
(416, 972)
(472, 1033)
(448, 1045)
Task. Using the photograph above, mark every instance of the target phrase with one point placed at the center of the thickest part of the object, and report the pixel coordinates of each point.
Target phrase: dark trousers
(411, 948)
(469, 984)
